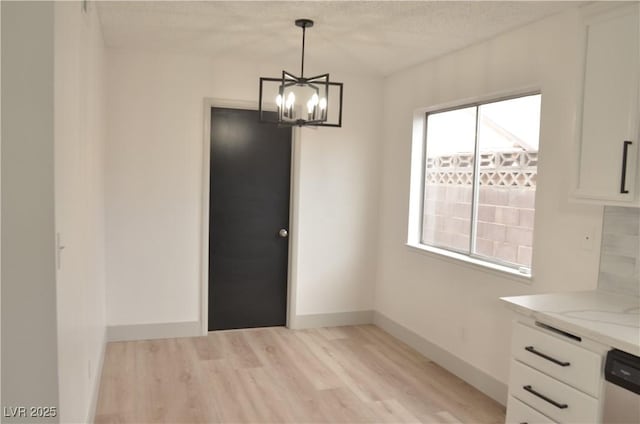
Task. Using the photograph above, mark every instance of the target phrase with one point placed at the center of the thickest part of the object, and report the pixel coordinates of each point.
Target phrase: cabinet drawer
(552, 398)
(560, 359)
(520, 413)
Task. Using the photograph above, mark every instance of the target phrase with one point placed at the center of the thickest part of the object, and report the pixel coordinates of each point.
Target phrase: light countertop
(607, 318)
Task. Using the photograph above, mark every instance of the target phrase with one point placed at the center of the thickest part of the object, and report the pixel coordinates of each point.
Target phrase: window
(477, 178)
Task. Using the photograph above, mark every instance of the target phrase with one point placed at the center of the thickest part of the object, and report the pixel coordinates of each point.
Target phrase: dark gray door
(249, 206)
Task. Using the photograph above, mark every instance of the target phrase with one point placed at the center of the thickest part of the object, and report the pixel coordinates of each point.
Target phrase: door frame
(204, 212)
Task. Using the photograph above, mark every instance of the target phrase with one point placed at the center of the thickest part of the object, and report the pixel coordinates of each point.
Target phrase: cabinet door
(609, 125)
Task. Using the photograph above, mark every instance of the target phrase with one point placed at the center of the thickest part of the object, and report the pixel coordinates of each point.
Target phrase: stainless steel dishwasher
(621, 388)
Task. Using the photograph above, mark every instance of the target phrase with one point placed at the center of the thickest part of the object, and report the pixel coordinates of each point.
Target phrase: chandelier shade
(301, 101)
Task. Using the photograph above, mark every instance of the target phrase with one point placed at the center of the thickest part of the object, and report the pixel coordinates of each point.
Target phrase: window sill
(474, 263)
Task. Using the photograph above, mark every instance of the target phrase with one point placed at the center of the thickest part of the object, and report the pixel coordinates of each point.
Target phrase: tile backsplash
(620, 251)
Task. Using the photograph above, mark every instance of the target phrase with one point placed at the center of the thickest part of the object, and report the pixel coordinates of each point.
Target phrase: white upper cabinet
(608, 123)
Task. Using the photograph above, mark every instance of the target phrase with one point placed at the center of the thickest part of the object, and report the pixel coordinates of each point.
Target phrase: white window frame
(416, 192)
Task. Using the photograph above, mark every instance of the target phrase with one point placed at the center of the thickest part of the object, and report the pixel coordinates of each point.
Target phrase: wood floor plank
(448, 418)
(319, 375)
(420, 387)
(397, 351)
(207, 348)
(356, 374)
(331, 333)
(272, 405)
(242, 354)
(345, 406)
(392, 411)
(227, 393)
(327, 355)
(118, 382)
(282, 364)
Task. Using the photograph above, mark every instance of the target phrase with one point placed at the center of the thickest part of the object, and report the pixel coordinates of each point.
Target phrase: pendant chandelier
(301, 101)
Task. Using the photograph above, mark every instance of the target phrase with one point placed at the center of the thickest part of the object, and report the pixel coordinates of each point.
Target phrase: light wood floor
(352, 374)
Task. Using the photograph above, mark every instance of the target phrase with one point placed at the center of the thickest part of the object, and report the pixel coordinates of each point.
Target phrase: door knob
(283, 233)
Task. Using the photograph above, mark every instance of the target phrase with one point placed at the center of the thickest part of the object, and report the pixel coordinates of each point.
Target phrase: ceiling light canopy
(300, 101)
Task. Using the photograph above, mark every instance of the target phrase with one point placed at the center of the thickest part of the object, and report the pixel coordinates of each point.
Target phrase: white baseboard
(479, 379)
(332, 320)
(117, 333)
(93, 402)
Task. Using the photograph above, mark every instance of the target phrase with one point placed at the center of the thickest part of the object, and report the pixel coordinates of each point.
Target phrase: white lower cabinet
(553, 377)
(571, 364)
(521, 413)
(551, 397)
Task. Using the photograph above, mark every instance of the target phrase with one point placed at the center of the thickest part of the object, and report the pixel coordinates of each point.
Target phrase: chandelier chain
(304, 30)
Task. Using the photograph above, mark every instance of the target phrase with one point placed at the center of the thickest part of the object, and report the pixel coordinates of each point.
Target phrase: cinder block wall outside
(506, 202)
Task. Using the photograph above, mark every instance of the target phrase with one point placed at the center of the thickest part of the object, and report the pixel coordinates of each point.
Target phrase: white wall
(80, 131)
(29, 346)
(451, 304)
(154, 184)
(338, 213)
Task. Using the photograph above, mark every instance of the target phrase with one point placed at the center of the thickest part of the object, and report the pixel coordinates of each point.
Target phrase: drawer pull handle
(547, 357)
(529, 389)
(558, 331)
(623, 177)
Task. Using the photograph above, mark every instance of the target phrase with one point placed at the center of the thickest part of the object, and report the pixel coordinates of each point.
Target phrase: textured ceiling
(373, 37)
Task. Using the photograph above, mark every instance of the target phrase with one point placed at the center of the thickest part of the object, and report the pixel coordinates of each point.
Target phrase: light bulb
(310, 105)
(314, 99)
(323, 109)
(291, 98)
(279, 100)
